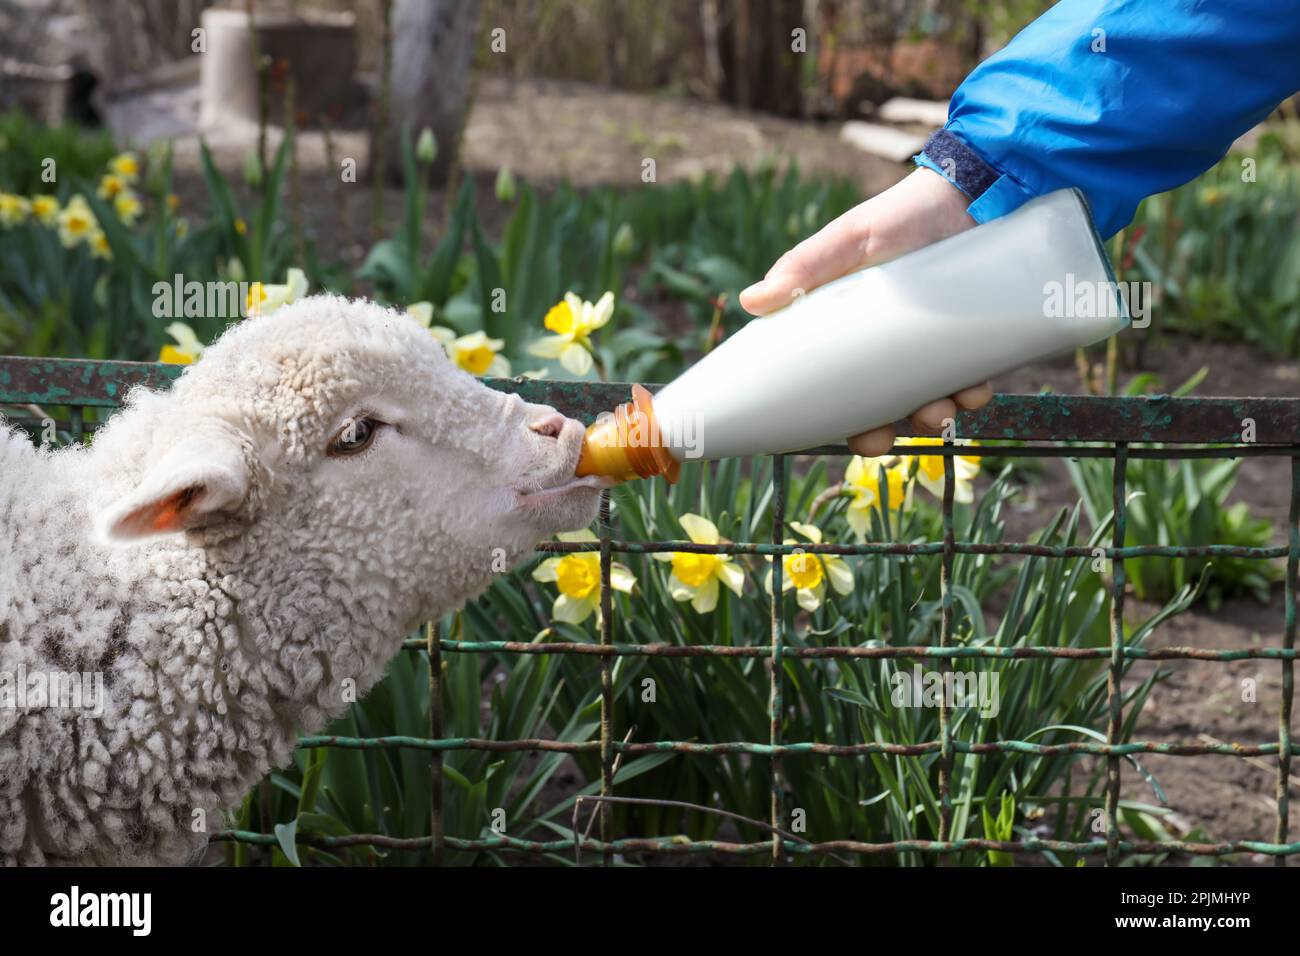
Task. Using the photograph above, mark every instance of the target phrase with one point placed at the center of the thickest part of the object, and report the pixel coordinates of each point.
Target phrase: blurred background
(429, 153)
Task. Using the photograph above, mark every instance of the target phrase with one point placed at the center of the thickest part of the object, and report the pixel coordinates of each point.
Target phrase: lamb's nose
(550, 425)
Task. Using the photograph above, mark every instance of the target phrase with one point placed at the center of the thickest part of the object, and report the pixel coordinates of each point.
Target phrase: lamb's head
(334, 438)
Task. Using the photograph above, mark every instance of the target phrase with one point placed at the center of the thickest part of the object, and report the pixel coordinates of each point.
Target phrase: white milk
(870, 348)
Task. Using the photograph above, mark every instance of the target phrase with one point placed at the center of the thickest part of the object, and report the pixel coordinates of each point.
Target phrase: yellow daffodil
(577, 577)
(99, 247)
(76, 222)
(127, 206)
(806, 574)
(264, 299)
(573, 321)
(862, 481)
(475, 353)
(13, 209)
(45, 209)
(187, 348)
(241, 227)
(126, 166)
(695, 577)
(110, 186)
(929, 470)
(173, 202)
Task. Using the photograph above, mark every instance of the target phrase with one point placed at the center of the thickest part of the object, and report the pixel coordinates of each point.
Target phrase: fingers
(928, 418)
(834, 251)
(872, 444)
(931, 418)
(974, 397)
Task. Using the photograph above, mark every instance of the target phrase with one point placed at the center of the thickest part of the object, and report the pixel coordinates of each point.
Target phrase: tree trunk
(433, 46)
(760, 68)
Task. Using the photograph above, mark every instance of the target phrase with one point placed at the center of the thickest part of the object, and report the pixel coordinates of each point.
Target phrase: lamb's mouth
(593, 482)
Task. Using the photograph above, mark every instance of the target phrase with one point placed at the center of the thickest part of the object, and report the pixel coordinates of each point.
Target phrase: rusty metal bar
(1288, 666)
(987, 450)
(682, 846)
(1154, 418)
(436, 822)
(775, 703)
(1115, 675)
(799, 749)
(945, 663)
(858, 651)
(923, 548)
(606, 673)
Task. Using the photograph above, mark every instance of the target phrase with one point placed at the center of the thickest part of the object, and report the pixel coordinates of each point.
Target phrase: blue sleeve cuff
(992, 193)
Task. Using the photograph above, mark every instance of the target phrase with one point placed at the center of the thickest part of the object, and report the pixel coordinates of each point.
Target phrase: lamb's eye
(353, 438)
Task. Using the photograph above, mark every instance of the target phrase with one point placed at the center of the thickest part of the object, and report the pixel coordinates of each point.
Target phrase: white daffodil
(807, 574)
(862, 481)
(126, 166)
(110, 186)
(695, 577)
(573, 321)
(475, 352)
(264, 299)
(127, 206)
(13, 209)
(422, 312)
(577, 577)
(99, 247)
(929, 470)
(76, 222)
(46, 209)
(187, 348)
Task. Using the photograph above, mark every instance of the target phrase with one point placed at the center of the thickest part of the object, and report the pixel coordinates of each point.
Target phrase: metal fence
(1042, 426)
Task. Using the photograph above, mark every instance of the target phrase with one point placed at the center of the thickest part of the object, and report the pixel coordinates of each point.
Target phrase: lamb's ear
(201, 480)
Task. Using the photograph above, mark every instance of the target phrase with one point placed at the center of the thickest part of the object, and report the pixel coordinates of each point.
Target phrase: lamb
(233, 555)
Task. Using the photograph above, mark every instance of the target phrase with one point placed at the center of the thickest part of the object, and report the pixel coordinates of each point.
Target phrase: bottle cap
(628, 444)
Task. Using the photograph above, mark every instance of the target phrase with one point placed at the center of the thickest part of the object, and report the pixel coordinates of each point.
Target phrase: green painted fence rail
(37, 391)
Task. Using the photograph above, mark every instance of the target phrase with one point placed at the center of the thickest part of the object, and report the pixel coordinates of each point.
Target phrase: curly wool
(293, 581)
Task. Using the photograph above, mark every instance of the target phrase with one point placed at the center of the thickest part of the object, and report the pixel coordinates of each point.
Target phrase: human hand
(921, 209)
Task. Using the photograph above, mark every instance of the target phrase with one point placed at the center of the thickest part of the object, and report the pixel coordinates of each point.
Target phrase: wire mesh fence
(1042, 426)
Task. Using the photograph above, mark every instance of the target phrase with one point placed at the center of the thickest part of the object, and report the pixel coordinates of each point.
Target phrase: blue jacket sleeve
(1118, 98)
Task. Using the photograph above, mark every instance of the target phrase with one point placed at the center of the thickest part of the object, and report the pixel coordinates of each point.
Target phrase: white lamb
(231, 553)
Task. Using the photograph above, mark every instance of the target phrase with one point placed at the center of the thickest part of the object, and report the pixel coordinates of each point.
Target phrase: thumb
(836, 250)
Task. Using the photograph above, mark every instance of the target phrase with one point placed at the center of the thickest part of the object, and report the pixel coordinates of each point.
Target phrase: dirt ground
(549, 131)
(1230, 798)
(544, 131)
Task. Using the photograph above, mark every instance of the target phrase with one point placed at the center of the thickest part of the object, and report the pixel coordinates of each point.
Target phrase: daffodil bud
(810, 216)
(505, 185)
(426, 147)
(624, 240)
(252, 171)
(158, 155)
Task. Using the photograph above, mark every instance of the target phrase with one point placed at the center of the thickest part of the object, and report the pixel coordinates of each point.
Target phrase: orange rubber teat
(628, 444)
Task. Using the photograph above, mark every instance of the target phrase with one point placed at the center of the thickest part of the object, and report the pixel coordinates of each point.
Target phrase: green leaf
(285, 836)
